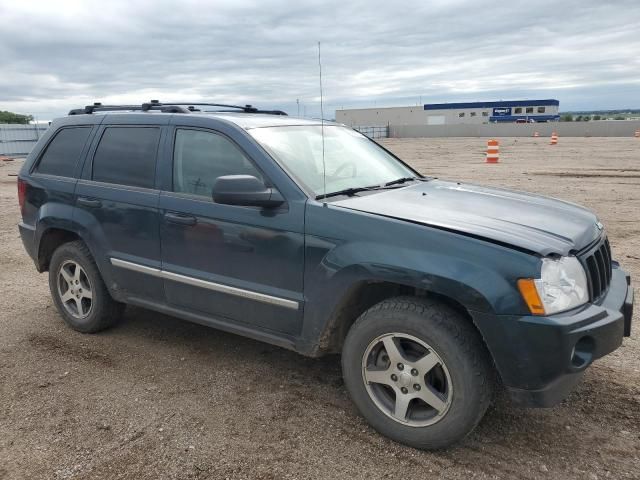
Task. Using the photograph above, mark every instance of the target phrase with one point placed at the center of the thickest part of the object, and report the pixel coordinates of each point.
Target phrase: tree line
(10, 117)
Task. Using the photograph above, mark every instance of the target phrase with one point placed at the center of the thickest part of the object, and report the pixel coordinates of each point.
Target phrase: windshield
(351, 159)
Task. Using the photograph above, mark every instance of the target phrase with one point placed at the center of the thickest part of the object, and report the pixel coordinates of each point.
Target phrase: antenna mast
(324, 167)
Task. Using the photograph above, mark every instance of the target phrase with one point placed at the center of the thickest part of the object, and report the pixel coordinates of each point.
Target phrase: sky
(58, 55)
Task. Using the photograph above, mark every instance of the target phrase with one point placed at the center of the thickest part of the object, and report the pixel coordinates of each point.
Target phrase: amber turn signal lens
(530, 295)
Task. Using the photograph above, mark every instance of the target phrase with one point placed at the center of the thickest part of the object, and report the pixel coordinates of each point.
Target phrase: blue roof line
(505, 103)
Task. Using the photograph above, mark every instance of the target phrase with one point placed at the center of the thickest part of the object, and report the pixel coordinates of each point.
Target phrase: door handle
(89, 202)
(180, 219)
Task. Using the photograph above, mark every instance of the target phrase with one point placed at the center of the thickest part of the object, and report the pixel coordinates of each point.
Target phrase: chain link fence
(374, 132)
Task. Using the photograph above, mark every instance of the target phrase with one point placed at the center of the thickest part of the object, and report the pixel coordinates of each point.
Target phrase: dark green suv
(308, 235)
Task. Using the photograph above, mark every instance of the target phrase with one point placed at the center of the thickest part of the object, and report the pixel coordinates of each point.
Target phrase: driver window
(199, 158)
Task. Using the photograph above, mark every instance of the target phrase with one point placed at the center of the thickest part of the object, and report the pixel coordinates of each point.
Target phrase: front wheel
(418, 372)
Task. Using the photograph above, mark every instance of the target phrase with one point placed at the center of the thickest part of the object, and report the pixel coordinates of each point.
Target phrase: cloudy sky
(56, 55)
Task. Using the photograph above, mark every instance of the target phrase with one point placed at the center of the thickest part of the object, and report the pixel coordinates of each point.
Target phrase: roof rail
(171, 107)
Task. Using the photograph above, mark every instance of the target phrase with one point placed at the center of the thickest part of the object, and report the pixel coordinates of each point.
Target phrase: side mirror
(245, 190)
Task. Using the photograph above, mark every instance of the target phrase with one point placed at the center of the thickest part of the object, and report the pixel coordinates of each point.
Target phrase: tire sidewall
(467, 405)
(70, 252)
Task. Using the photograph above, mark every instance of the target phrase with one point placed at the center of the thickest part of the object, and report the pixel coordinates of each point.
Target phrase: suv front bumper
(540, 359)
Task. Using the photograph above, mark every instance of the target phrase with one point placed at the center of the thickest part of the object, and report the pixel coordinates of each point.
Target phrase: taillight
(22, 192)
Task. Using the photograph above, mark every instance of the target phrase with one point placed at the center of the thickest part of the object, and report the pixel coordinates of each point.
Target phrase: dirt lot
(156, 397)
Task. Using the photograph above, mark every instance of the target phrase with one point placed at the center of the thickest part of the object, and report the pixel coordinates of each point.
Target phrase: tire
(458, 380)
(78, 291)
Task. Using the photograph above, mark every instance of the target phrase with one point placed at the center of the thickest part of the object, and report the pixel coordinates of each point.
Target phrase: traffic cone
(554, 138)
(493, 151)
(536, 134)
(637, 134)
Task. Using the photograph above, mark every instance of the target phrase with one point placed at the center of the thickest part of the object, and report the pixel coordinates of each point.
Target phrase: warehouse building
(454, 113)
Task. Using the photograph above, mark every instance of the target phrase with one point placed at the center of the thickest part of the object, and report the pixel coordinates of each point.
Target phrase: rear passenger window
(127, 156)
(199, 158)
(63, 152)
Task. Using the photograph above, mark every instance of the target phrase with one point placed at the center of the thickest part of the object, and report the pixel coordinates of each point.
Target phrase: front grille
(597, 263)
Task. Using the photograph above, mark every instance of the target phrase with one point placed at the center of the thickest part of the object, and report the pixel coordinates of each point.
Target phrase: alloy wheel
(406, 379)
(74, 289)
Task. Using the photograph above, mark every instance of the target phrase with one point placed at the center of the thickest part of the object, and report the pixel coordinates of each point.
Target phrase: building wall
(381, 117)
(449, 114)
(472, 116)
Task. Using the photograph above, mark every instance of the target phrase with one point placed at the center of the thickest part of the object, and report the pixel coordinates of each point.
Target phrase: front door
(237, 263)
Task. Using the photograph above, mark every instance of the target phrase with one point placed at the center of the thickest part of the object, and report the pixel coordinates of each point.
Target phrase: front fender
(479, 275)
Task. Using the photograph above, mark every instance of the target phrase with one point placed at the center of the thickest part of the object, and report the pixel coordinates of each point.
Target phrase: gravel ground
(156, 397)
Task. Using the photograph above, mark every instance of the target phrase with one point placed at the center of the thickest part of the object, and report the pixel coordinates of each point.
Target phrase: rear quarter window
(127, 156)
(63, 152)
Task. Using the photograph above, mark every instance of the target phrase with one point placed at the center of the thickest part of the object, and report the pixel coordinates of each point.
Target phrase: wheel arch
(364, 294)
(51, 236)
(50, 240)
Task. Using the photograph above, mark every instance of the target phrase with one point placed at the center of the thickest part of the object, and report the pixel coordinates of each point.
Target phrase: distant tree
(567, 117)
(618, 117)
(586, 118)
(578, 118)
(10, 117)
(597, 117)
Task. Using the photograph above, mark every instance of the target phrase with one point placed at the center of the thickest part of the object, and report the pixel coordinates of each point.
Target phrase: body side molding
(197, 282)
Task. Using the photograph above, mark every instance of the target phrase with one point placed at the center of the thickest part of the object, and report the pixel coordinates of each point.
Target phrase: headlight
(562, 285)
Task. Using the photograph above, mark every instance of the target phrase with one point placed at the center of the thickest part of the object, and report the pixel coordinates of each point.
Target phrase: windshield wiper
(353, 191)
(349, 191)
(404, 180)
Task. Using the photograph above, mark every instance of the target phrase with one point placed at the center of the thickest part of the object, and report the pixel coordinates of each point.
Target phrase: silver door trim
(136, 267)
(197, 282)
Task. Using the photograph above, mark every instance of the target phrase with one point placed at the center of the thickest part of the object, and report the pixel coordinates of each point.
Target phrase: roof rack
(171, 107)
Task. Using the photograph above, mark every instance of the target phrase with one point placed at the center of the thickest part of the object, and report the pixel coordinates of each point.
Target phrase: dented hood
(539, 224)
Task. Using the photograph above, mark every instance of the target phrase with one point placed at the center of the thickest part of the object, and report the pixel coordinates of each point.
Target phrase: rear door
(231, 262)
(117, 204)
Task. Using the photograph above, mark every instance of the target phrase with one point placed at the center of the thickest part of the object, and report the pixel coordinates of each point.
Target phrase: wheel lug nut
(400, 366)
(404, 390)
(414, 372)
(394, 377)
(416, 386)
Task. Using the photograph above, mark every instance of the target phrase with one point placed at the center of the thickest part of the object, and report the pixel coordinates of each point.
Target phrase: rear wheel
(417, 371)
(78, 290)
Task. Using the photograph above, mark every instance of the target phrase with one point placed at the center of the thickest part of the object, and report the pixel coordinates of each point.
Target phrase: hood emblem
(599, 225)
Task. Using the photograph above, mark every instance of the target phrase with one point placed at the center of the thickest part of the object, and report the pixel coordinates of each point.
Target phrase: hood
(539, 224)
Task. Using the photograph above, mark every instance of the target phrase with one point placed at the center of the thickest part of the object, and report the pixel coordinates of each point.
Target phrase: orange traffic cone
(493, 151)
(536, 134)
(554, 138)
